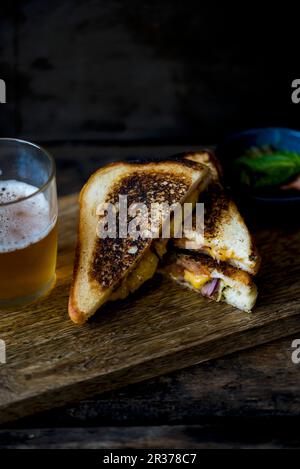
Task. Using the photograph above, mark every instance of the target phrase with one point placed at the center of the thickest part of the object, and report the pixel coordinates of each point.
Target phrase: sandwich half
(110, 268)
(226, 237)
(216, 263)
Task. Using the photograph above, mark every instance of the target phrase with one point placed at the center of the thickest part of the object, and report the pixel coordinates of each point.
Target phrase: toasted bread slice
(226, 236)
(207, 158)
(217, 281)
(110, 268)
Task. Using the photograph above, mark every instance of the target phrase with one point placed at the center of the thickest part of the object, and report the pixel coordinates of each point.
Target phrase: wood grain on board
(160, 328)
(257, 433)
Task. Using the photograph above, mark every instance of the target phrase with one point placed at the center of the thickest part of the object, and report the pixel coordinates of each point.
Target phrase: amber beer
(28, 243)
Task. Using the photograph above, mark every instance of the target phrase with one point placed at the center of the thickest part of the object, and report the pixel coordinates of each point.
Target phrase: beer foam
(26, 222)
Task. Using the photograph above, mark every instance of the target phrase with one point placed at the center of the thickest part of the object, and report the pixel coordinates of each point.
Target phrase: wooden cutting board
(159, 329)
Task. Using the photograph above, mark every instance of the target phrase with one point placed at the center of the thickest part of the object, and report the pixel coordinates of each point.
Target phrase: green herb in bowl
(265, 167)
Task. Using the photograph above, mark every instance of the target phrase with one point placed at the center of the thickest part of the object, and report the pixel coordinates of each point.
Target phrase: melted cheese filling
(197, 281)
(144, 271)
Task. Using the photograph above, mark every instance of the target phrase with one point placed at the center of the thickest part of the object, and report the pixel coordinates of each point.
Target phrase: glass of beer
(28, 218)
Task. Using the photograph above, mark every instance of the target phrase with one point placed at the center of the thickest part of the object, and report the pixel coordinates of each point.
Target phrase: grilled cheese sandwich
(216, 263)
(110, 268)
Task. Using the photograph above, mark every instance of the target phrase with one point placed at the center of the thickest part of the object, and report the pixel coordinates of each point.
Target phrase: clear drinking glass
(28, 222)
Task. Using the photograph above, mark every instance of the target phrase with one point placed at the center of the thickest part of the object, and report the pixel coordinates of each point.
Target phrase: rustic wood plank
(160, 329)
(256, 433)
(259, 382)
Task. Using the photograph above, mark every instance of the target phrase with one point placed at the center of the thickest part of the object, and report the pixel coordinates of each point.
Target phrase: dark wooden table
(248, 399)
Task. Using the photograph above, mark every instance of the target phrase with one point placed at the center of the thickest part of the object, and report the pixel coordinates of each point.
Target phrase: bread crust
(219, 208)
(97, 288)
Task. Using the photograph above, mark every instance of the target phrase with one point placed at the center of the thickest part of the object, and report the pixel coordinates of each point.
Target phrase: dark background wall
(142, 70)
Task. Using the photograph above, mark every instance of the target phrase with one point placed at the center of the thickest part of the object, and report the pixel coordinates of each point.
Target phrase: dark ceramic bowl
(236, 145)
